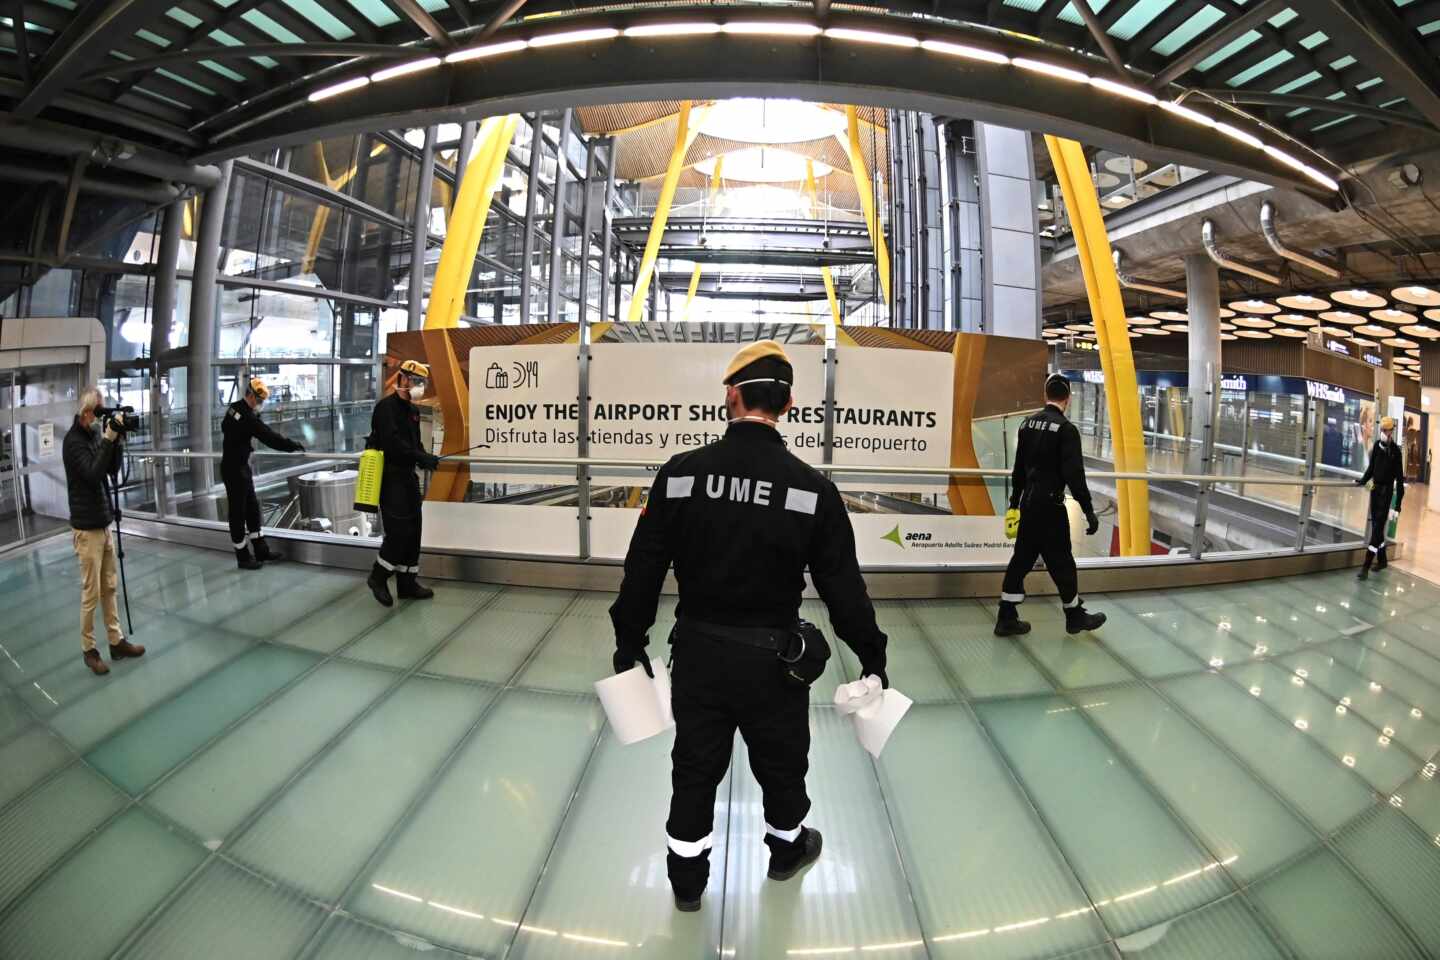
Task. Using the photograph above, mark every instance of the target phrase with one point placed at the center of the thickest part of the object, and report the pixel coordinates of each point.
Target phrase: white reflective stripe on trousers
(688, 848)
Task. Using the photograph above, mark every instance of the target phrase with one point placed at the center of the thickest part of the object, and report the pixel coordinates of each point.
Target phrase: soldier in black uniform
(1387, 470)
(241, 425)
(741, 519)
(395, 430)
(1047, 460)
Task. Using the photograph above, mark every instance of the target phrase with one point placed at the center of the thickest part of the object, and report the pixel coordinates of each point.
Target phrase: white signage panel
(890, 540)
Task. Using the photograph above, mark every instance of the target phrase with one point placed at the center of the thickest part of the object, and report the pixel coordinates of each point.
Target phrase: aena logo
(900, 539)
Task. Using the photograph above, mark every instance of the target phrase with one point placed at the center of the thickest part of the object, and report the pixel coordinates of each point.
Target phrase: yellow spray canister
(367, 485)
(1012, 523)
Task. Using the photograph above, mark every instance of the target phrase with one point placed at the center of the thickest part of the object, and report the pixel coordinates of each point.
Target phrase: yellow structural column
(1107, 309)
(825, 273)
(684, 137)
(867, 202)
(467, 223)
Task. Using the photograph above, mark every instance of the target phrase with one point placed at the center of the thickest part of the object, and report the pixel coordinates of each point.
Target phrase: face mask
(416, 392)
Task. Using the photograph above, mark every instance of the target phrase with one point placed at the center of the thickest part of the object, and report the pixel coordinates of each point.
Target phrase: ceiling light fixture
(672, 29)
(964, 50)
(335, 89)
(774, 29)
(871, 36)
(1235, 133)
(1051, 70)
(1194, 116)
(486, 50)
(1123, 90)
(574, 36)
(414, 66)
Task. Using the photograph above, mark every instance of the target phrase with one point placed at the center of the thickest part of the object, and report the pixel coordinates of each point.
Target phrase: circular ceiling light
(1254, 334)
(1228, 336)
(1046, 216)
(1393, 316)
(1227, 327)
(1363, 342)
(1142, 321)
(1226, 312)
(1175, 327)
(1296, 319)
(1174, 316)
(1420, 296)
(749, 120)
(1126, 165)
(1290, 332)
(1335, 331)
(1254, 306)
(1080, 327)
(1358, 298)
(1433, 315)
(1106, 180)
(764, 165)
(1374, 330)
(1303, 301)
(1255, 323)
(1135, 334)
(1154, 331)
(1423, 332)
(1343, 316)
(1400, 343)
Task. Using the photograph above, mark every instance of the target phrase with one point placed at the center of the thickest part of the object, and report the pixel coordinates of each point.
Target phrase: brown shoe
(96, 665)
(123, 649)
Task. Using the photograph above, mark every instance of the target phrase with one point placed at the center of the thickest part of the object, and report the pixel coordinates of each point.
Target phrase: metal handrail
(832, 468)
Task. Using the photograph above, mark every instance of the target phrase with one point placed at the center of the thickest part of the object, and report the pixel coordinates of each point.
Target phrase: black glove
(1359, 483)
(1092, 523)
(628, 655)
(874, 667)
(297, 447)
(430, 462)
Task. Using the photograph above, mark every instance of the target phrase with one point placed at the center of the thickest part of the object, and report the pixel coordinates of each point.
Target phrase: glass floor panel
(293, 771)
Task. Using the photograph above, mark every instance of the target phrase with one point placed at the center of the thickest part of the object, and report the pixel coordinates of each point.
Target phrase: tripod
(112, 486)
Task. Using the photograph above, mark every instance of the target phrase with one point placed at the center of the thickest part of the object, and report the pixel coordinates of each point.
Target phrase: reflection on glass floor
(293, 771)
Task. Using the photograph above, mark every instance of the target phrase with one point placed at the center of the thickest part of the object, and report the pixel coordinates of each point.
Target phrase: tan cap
(415, 369)
(257, 387)
(1387, 423)
(759, 350)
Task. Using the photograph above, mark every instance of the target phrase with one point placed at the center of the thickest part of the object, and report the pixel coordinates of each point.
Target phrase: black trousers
(244, 506)
(400, 511)
(1044, 532)
(718, 687)
(1380, 500)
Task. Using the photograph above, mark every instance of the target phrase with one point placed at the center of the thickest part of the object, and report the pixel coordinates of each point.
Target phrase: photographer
(92, 450)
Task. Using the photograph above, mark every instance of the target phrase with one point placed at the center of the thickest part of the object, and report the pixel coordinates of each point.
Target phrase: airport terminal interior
(1217, 220)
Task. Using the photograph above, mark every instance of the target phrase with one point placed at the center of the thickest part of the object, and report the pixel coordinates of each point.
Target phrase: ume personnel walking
(740, 520)
(1386, 474)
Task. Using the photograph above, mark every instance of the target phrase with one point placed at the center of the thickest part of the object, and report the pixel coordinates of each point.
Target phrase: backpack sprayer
(372, 470)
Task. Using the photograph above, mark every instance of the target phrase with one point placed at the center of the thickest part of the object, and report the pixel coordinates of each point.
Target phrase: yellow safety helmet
(415, 368)
(257, 387)
(1387, 423)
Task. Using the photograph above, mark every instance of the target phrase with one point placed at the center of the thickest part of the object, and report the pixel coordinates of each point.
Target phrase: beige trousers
(98, 580)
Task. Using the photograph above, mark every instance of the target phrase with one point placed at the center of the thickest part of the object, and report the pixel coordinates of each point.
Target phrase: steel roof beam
(499, 18)
(342, 50)
(1215, 41)
(1291, 101)
(1373, 35)
(419, 16)
(1103, 39)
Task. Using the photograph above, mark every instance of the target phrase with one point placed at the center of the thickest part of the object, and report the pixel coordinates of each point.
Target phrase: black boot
(379, 583)
(1009, 624)
(244, 561)
(789, 857)
(1364, 573)
(688, 876)
(408, 588)
(263, 553)
(1077, 619)
(1380, 561)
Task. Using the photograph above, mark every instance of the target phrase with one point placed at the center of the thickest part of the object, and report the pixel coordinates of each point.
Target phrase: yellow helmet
(1387, 423)
(257, 387)
(415, 368)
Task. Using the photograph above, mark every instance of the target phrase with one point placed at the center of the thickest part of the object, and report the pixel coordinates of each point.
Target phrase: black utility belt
(773, 639)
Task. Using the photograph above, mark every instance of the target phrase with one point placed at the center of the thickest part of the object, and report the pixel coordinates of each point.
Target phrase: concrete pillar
(1008, 226)
(1202, 284)
(204, 292)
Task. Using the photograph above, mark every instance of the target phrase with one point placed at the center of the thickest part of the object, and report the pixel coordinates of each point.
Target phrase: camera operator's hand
(111, 433)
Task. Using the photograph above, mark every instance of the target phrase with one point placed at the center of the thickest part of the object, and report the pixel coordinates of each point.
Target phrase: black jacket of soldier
(1047, 460)
(88, 457)
(395, 430)
(240, 427)
(741, 519)
(1387, 469)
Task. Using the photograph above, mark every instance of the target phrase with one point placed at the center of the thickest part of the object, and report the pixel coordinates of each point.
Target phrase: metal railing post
(1314, 423)
(582, 472)
(1207, 456)
(1244, 438)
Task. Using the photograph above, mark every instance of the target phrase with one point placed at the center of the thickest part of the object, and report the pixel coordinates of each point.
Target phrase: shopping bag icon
(496, 378)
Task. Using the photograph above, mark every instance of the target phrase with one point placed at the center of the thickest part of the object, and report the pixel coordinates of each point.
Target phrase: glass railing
(904, 518)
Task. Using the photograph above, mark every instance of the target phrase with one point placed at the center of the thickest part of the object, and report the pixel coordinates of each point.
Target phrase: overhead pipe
(154, 194)
(1207, 237)
(1130, 283)
(57, 140)
(1272, 237)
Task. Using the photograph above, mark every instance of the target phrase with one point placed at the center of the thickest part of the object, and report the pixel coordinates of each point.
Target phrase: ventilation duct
(1272, 237)
(1130, 283)
(1207, 236)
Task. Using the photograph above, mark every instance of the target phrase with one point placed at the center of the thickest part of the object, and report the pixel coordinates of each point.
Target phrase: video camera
(121, 419)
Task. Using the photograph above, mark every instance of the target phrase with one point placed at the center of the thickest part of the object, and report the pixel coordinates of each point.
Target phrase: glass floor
(294, 771)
